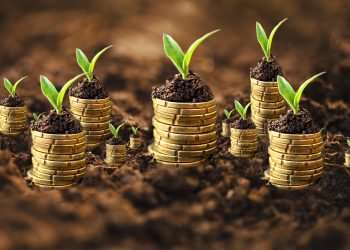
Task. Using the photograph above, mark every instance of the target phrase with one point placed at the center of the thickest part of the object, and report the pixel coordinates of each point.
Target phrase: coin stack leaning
(58, 160)
(115, 154)
(13, 120)
(244, 142)
(347, 160)
(296, 160)
(267, 104)
(184, 133)
(94, 116)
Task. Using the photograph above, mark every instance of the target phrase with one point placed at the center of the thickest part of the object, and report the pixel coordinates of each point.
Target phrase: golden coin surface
(269, 112)
(292, 187)
(262, 119)
(182, 130)
(59, 147)
(263, 83)
(252, 140)
(54, 187)
(58, 136)
(311, 177)
(179, 165)
(291, 157)
(275, 180)
(185, 147)
(185, 117)
(167, 158)
(179, 153)
(61, 164)
(296, 151)
(296, 147)
(295, 136)
(95, 126)
(179, 111)
(44, 176)
(187, 137)
(290, 163)
(241, 154)
(59, 151)
(91, 114)
(184, 105)
(38, 180)
(187, 123)
(115, 160)
(98, 132)
(282, 141)
(296, 172)
(265, 89)
(52, 157)
(89, 101)
(93, 119)
(267, 97)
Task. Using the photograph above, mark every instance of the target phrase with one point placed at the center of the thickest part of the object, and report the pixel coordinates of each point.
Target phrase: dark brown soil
(179, 90)
(89, 90)
(115, 141)
(10, 101)
(243, 123)
(266, 70)
(137, 135)
(51, 123)
(226, 121)
(301, 123)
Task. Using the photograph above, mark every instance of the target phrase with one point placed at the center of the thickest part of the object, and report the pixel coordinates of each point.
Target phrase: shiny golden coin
(89, 101)
(13, 109)
(55, 147)
(293, 187)
(58, 136)
(44, 176)
(178, 165)
(263, 93)
(115, 148)
(265, 89)
(15, 122)
(95, 126)
(295, 136)
(297, 148)
(244, 145)
(269, 112)
(68, 142)
(39, 180)
(57, 167)
(263, 83)
(166, 151)
(185, 117)
(238, 132)
(168, 158)
(295, 167)
(184, 105)
(245, 137)
(99, 104)
(266, 97)
(274, 180)
(93, 119)
(10, 133)
(115, 160)
(312, 177)
(59, 150)
(296, 151)
(290, 157)
(182, 130)
(179, 111)
(253, 139)
(181, 147)
(305, 142)
(241, 154)
(189, 123)
(61, 165)
(192, 139)
(267, 105)
(52, 157)
(13, 126)
(311, 163)
(262, 119)
(296, 172)
(98, 132)
(98, 138)
(92, 113)
(54, 187)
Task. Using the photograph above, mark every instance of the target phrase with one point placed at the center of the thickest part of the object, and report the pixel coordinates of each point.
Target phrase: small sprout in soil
(37, 117)
(12, 88)
(135, 129)
(348, 142)
(288, 93)
(51, 93)
(114, 130)
(85, 65)
(242, 110)
(228, 113)
(180, 59)
(265, 42)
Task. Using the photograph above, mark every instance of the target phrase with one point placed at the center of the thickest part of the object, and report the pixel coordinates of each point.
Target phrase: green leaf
(112, 129)
(174, 52)
(272, 34)
(8, 86)
(262, 39)
(191, 49)
(118, 128)
(301, 89)
(94, 60)
(228, 113)
(246, 110)
(287, 92)
(49, 91)
(134, 130)
(239, 108)
(348, 142)
(83, 62)
(37, 117)
(17, 83)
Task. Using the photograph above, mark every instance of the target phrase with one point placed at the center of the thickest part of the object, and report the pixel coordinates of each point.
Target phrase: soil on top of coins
(115, 141)
(51, 123)
(89, 89)
(10, 101)
(243, 123)
(266, 70)
(290, 123)
(178, 89)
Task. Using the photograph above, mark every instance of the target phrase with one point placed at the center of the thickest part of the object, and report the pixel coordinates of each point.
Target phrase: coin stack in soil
(115, 154)
(296, 160)
(13, 120)
(267, 104)
(135, 142)
(58, 160)
(184, 133)
(94, 116)
(347, 160)
(244, 142)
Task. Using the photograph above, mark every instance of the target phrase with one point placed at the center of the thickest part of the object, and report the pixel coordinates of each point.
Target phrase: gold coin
(275, 180)
(54, 187)
(93, 119)
(265, 89)
(178, 153)
(4, 109)
(184, 105)
(262, 119)
(39, 180)
(192, 139)
(52, 157)
(61, 147)
(44, 176)
(295, 165)
(244, 145)
(93, 145)
(187, 123)
(89, 101)
(241, 153)
(185, 117)
(296, 151)
(59, 150)
(293, 187)
(263, 83)
(296, 172)
(282, 141)
(168, 158)
(253, 139)
(15, 122)
(95, 126)
(115, 148)
(182, 130)
(179, 165)
(263, 93)
(269, 112)
(95, 105)
(10, 133)
(238, 132)
(185, 147)
(58, 136)
(92, 113)
(115, 160)
(267, 105)
(67, 142)
(60, 165)
(90, 138)
(311, 177)
(98, 132)
(290, 157)
(295, 136)
(299, 147)
(179, 111)
(266, 97)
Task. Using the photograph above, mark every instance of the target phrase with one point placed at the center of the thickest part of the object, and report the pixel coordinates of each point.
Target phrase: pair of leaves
(242, 110)
(12, 88)
(265, 42)
(180, 59)
(37, 117)
(50, 92)
(114, 130)
(228, 113)
(134, 130)
(288, 93)
(87, 66)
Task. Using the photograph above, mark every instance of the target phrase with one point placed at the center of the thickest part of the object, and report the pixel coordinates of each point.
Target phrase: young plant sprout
(348, 142)
(288, 93)
(228, 113)
(11, 88)
(180, 59)
(114, 130)
(265, 42)
(242, 110)
(134, 130)
(51, 93)
(85, 65)
(37, 117)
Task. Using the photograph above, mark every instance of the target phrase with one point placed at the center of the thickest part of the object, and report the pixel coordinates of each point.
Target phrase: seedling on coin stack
(347, 155)
(135, 140)
(185, 112)
(244, 138)
(90, 102)
(115, 147)
(296, 144)
(226, 123)
(58, 152)
(267, 103)
(13, 112)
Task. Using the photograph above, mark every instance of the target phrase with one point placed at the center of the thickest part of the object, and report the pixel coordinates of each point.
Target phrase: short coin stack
(58, 160)
(244, 142)
(13, 120)
(94, 116)
(347, 160)
(267, 103)
(135, 142)
(296, 160)
(115, 154)
(184, 133)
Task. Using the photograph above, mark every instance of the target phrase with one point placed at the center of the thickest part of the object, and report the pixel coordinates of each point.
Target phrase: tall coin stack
(184, 133)
(115, 154)
(267, 104)
(244, 142)
(94, 116)
(296, 160)
(13, 120)
(58, 160)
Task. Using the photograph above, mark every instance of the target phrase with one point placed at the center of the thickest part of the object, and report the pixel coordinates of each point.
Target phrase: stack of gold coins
(267, 104)
(115, 154)
(13, 120)
(135, 142)
(296, 160)
(244, 142)
(347, 160)
(58, 160)
(184, 133)
(226, 126)
(94, 116)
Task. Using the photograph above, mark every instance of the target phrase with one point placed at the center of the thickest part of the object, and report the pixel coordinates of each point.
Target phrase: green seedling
(114, 130)
(51, 93)
(11, 88)
(288, 93)
(348, 142)
(134, 130)
(37, 117)
(228, 113)
(180, 59)
(85, 65)
(242, 110)
(265, 42)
